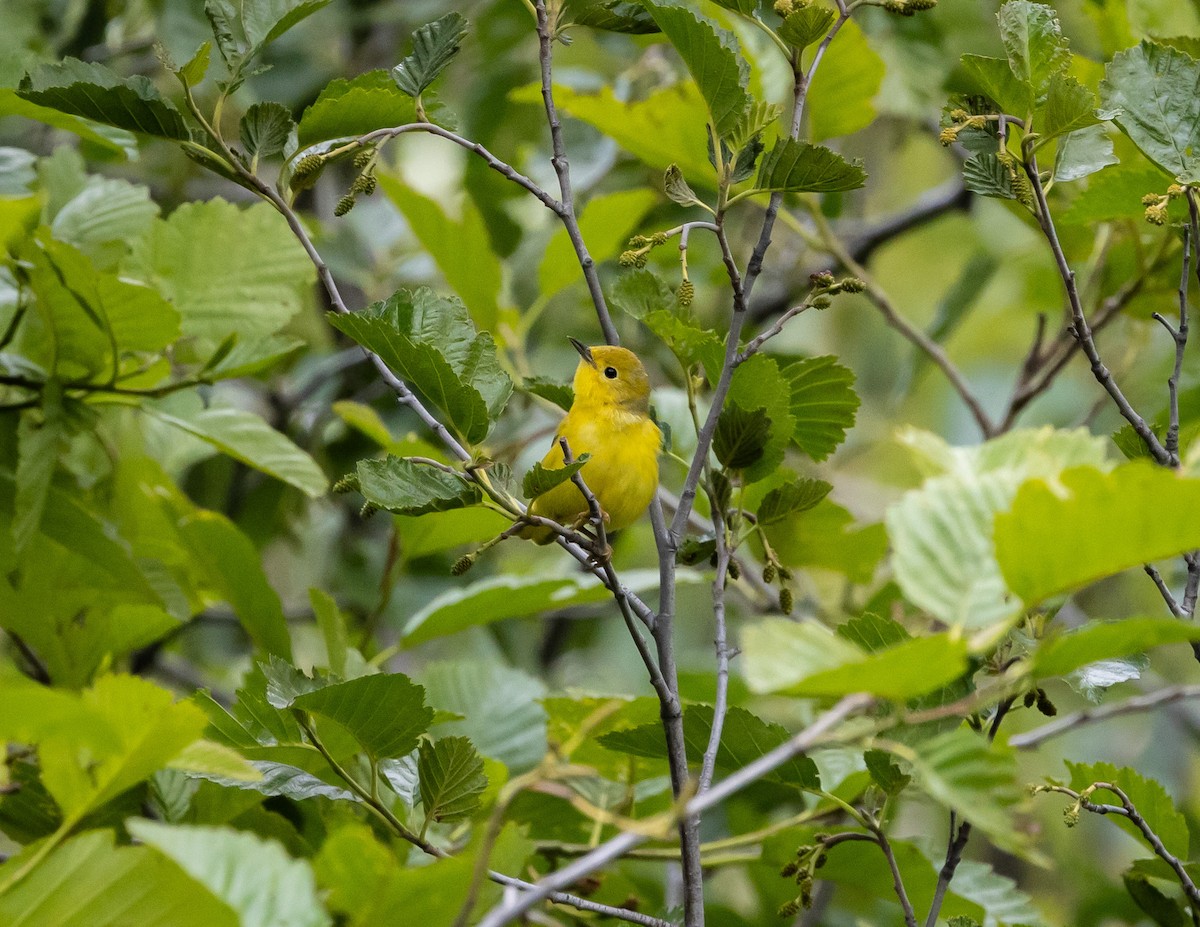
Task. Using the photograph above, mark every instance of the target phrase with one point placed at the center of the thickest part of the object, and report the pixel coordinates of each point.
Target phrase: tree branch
(721, 698)
(1138, 703)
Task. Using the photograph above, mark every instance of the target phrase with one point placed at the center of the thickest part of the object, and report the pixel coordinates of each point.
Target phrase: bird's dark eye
(610, 372)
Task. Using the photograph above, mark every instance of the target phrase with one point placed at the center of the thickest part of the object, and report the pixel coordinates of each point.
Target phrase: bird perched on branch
(610, 421)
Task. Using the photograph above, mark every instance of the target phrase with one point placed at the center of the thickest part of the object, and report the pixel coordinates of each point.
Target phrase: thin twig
(910, 916)
(512, 908)
(1080, 329)
(721, 643)
(1175, 608)
(1138, 703)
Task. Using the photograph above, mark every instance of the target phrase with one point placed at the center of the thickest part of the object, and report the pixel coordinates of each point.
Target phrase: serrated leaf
(806, 26)
(611, 16)
(1092, 524)
(430, 341)
(873, 633)
(884, 772)
(1165, 911)
(1152, 801)
(790, 499)
(41, 437)
(561, 394)
(265, 128)
(677, 188)
(1103, 640)
(1037, 49)
(1152, 93)
(353, 107)
(247, 438)
(405, 487)
(253, 876)
(823, 403)
(741, 436)
(986, 175)
(1069, 106)
(94, 91)
(386, 713)
(759, 383)
(712, 58)
(282, 779)
(434, 45)
(995, 79)
(103, 219)
(539, 480)
(798, 167)
(639, 293)
(452, 779)
(1082, 153)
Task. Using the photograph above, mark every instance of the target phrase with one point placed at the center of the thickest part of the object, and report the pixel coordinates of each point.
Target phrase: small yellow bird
(610, 420)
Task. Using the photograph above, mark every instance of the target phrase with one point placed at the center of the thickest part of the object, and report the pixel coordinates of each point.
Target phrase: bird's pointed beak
(584, 351)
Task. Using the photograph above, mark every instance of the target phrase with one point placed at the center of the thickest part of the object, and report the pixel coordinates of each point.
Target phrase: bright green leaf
(452, 778)
(348, 108)
(790, 498)
(404, 487)
(1104, 640)
(1147, 795)
(807, 25)
(264, 129)
(798, 167)
(824, 404)
(386, 713)
(844, 88)
(1035, 44)
(540, 480)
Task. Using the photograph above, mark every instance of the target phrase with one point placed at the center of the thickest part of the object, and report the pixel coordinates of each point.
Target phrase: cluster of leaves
(127, 343)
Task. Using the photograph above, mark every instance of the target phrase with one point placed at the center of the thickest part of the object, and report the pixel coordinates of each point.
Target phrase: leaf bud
(821, 302)
(658, 238)
(821, 278)
(768, 573)
(1071, 815)
(685, 293)
(784, 572)
(462, 564)
(790, 868)
(786, 600)
(345, 204)
(853, 285)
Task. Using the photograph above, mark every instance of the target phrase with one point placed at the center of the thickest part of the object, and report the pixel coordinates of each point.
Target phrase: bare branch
(1069, 722)
(910, 916)
(721, 643)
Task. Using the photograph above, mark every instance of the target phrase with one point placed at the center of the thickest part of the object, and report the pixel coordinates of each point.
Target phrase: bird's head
(611, 376)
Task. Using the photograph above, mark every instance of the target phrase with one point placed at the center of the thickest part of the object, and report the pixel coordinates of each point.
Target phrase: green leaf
(844, 88)
(759, 384)
(827, 537)
(606, 223)
(501, 597)
(434, 45)
(961, 770)
(452, 778)
(807, 659)
(1069, 106)
(806, 26)
(225, 269)
(1147, 795)
(741, 436)
(90, 881)
(247, 438)
(95, 92)
(798, 167)
(1035, 44)
(348, 108)
(405, 487)
(499, 705)
(280, 779)
(791, 498)
(540, 480)
(253, 876)
(745, 7)
(659, 130)
(823, 405)
(873, 633)
(112, 141)
(611, 15)
(677, 189)
(1151, 93)
(995, 79)
(334, 629)
(1163, 910)
(243, 31)
(385, 713)
(460, 247)
(885, 773)
(41, 437)
(430, 341)
(103, 219)
(712, 58)
(264, 129)
(744, 738)
(1093, 524)
(1057, 656)
(561, 394)
(641, 293)
(986, 175)
(196, 68)
(1082, 153)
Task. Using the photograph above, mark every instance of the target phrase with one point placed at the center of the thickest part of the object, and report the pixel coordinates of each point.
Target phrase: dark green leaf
(986, 175)
(759, 383)
(806, 26)
(741, 436)
(540, 480)
(265, 128)
(434, 44)
(1035, 44)
(334, 628)
(798, 167)
(1151, 93)
(1152, 801)
(885, 772)
(1069, 106)
(745, 7)
(385, 713)
(713, 59)
(691, 344)
(1163, 910)
(405, 487)
(791, 498)
(41, 437)
(353, 107)
(561, 394)
(611, 15)
(639, 293)
(747, 158)
(95, 92)
(824, 404)
(1104, 640)
(452, 778)
(430, 341)
(994, 79)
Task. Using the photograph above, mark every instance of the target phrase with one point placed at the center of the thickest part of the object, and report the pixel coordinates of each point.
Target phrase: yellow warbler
(610, 420)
